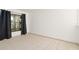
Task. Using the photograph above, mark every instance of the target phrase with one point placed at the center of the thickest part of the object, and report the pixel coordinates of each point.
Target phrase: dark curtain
(5, 24)
(23, 24)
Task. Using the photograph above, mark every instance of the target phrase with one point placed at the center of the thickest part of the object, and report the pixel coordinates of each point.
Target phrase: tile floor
(36, 42)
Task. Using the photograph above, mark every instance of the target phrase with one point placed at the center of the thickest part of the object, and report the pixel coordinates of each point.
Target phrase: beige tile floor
(36, 42)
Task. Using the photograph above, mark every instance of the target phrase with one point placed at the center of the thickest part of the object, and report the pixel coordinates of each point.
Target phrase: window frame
(19, 23)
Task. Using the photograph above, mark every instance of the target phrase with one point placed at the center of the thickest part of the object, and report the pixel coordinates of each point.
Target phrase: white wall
(57, 23)
(78, 17)
(60, 23)
(17, 33)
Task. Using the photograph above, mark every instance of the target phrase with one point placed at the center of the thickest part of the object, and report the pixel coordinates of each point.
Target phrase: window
(15, 22)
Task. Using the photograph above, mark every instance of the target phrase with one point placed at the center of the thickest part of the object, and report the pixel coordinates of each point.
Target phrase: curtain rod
(18, 12)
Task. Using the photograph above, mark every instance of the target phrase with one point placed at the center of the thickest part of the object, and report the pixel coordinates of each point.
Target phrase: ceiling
(26, 10)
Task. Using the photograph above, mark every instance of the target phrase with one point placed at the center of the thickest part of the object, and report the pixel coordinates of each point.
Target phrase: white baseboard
(61, 39)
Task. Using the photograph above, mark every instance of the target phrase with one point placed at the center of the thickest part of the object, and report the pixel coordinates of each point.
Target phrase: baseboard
(53, 38)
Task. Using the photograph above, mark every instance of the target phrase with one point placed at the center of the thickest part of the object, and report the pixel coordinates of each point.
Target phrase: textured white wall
(60, 23)
(57, 23)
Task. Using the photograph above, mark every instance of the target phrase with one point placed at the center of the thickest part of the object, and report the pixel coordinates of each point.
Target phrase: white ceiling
(25, 10)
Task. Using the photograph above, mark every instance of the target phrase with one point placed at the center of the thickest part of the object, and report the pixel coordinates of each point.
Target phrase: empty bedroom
(39, 29)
